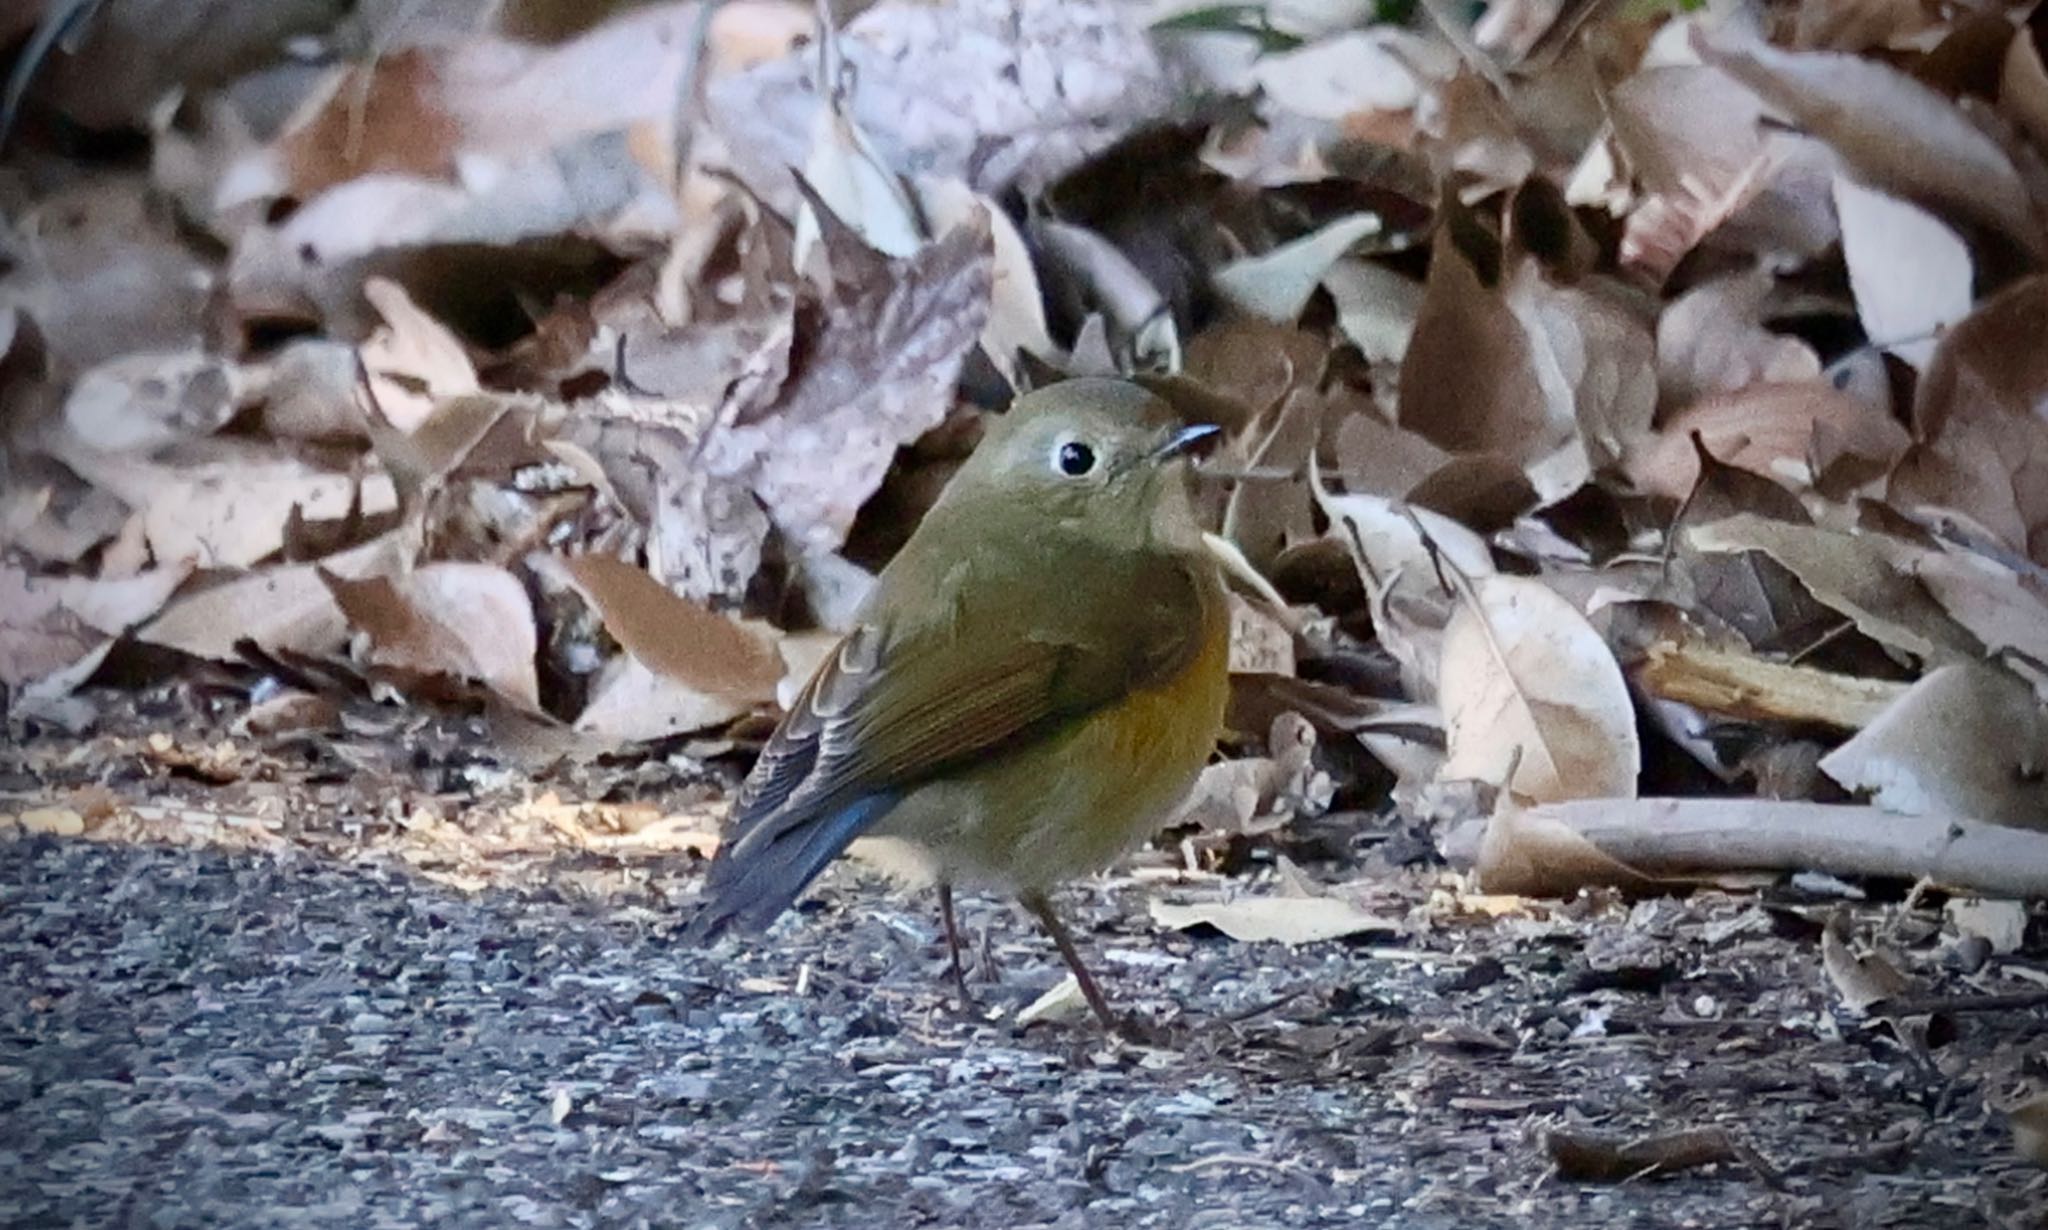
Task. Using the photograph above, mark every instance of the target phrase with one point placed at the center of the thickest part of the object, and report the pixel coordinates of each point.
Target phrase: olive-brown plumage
(1036, 680)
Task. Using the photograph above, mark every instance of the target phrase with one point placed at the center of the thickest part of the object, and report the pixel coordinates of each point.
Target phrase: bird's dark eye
(1075, 459)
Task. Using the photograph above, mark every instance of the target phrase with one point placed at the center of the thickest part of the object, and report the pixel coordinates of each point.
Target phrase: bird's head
(1101, 454)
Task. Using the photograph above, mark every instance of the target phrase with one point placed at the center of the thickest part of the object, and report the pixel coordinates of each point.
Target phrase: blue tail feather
(755, 879)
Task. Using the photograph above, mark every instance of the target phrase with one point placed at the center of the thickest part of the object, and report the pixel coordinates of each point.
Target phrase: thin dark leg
(1041, 908)
(953, 941)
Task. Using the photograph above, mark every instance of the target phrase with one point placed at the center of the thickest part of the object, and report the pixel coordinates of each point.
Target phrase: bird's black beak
(1191, 439)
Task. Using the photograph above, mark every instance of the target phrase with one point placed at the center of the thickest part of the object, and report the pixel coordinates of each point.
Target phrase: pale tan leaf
(1712, 340)
(1526, 853)
(1910, 273)
(414, 362)
(632, 704)
(224, 503)
(1966, 740)
(1283, 920)
(1276, 285)
(1527, 685)
(1376, 307)
(50, 623)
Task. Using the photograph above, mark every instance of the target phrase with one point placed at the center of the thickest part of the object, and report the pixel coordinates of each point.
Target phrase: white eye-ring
(1073, 458)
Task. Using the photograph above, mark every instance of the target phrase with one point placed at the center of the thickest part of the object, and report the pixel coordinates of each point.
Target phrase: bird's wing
(902, 701)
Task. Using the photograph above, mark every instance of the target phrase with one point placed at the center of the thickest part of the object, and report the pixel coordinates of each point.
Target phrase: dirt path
(192, 1037)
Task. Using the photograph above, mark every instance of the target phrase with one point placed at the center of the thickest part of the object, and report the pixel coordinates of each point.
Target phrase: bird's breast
(1072, 803)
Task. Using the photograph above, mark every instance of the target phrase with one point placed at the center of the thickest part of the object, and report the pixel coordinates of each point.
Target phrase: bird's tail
(757, 876)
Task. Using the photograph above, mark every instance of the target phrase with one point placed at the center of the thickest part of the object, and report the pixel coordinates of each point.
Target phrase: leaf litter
(1634, 460)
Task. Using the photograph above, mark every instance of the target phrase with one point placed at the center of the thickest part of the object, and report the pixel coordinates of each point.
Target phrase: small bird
(1034, 683)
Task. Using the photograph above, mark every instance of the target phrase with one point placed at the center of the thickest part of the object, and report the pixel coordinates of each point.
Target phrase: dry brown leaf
(1993, 602)
(2023, 88)
(1468, 379)
(675, 637)
(413, 361)
(50, 623)
(1777, 430)
(1910, 273)
(1472, 137)
(1851, 576)
(471, 621)
(1966, 740)
(1528, 688)
(1898, 135)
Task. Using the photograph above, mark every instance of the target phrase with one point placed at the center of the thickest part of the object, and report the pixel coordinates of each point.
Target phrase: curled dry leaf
(631, 704)
(413, 361)
(1910, 273)
(50, 623)
(471, 621)
(1863, 980)
(1966, 740)
(1529, 688)
(878, 373)
(1529, 854)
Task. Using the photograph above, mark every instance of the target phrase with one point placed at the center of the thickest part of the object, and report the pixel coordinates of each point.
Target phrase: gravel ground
(194, 1037)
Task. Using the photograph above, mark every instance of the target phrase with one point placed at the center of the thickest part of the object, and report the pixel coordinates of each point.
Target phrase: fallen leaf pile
(1628, 407)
